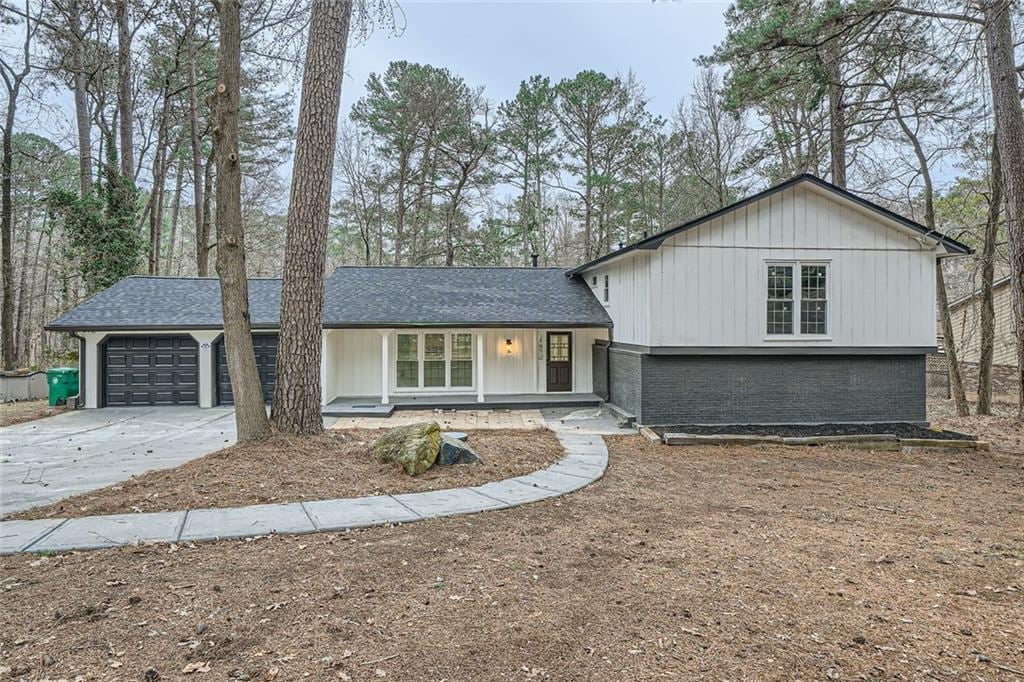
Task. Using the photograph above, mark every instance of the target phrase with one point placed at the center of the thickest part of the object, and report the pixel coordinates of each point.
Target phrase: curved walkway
(585, 461)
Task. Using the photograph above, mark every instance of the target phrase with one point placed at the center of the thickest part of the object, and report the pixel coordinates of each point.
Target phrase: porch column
(325, 386)
(89, 388)
(479, 365)
(205, 341)
(384, 334)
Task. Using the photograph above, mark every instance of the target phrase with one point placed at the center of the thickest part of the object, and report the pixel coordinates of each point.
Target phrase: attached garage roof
(355, 297)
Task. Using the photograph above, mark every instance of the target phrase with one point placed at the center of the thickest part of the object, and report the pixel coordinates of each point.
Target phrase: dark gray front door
(265, 346)
(150, 370)
(559, 361)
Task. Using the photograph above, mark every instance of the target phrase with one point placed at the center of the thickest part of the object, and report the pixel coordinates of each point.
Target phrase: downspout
(80, 402)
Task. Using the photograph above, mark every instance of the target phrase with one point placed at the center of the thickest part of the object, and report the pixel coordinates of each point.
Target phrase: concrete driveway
(49, 459)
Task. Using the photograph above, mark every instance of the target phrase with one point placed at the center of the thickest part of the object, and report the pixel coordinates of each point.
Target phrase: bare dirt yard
(25, 411)
(283, 469)
(706, 562)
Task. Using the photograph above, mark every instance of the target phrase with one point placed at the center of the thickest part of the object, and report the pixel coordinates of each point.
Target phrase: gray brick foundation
(767, 389)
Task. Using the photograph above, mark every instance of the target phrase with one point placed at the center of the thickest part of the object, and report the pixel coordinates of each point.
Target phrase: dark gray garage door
(265, 346)
(150, 370)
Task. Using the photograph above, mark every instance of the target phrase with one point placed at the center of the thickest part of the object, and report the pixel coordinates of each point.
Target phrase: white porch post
(89, 387)
(324, 384)
(384, 334)
(205, 340)
(479, 365)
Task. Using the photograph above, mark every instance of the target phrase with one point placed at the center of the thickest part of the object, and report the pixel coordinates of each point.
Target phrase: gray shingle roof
(142, 302)
(355, 297)
(363, 296)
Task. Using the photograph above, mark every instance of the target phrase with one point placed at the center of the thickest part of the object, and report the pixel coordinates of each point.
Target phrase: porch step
(367, 409)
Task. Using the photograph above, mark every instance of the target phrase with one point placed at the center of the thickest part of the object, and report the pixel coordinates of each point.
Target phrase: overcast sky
(499, 44)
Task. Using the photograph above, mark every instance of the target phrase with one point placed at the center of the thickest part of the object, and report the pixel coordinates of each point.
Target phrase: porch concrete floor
(347, 406)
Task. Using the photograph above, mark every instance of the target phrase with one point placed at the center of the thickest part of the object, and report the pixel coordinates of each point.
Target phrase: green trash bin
(63, 383)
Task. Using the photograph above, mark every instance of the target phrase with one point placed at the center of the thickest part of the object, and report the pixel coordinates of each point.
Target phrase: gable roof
(354, 297)
(655, 241)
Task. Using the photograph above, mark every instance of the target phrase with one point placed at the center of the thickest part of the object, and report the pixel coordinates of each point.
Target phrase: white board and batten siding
(707, 286)
(353, 362)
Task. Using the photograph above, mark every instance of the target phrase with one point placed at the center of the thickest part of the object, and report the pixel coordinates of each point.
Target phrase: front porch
(373, 407)
(373, 372)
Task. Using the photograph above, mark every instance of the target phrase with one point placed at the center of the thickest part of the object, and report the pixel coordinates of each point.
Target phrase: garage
(265, 346)
(150, 370)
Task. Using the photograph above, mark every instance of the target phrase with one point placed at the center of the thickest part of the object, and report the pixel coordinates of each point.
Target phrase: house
(802, 303)
(965, 315)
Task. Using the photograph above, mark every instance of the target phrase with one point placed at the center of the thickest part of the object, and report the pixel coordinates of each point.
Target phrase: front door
(559, 361)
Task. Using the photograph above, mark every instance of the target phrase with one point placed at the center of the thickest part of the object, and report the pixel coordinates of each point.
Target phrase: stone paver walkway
(450, 420)
(585, 460)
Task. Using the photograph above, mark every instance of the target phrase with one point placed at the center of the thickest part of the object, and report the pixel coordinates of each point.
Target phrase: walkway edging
(584, 461)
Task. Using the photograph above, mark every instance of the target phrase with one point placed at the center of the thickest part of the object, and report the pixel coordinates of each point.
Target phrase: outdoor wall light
(508, 346)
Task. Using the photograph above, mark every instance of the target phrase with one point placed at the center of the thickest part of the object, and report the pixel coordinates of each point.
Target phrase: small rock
(457, 435)
(967, 632)
(454, 451)
(151, 675)
(134, 599)
(859, 639)
(48, 660)
(200, 628)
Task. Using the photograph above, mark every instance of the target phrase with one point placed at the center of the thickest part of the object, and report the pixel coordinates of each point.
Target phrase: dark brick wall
(600, 368)
(624, 380)
(722, 389)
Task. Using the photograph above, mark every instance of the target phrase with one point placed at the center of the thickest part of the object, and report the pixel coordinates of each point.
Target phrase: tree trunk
(956, 381)
(82, 117)
(296, 406)
(999, 49)
(203, 241)
(7, 243)
(836, 114)
(13, 83)
(988, 262)
(156, 203)
(31, 302)
(198, 176)
(21, 335)
(124, 89)
(175, 211)
(250, 412)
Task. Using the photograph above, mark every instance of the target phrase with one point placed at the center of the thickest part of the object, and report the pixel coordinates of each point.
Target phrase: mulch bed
(901, 429)
(723, 563)
(283, 469)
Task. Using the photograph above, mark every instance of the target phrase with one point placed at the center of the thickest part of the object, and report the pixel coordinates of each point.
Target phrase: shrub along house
(803, 303)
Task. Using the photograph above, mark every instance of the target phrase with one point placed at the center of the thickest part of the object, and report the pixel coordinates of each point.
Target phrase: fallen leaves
(196, 667)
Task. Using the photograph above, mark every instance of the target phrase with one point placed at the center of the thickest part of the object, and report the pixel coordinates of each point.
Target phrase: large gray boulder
(415, 446)
(455, 451)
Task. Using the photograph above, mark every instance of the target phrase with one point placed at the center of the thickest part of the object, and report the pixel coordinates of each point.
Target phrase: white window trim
(606, 288)
(420, 356)
(797, 291)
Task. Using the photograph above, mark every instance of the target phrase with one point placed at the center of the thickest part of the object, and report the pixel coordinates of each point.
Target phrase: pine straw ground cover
(1001, 427)
(283, 469)
(763, 562)
(25, 411)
